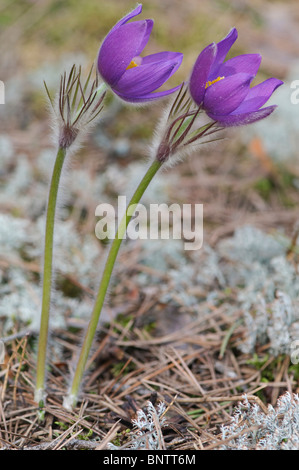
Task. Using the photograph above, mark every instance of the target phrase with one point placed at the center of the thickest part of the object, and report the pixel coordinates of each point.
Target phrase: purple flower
(223, 89)
(131, 77)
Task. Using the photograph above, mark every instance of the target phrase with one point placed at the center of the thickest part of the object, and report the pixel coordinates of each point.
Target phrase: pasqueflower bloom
(223, 89)
(131, 77)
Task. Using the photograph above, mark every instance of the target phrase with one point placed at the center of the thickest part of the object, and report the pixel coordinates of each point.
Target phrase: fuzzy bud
(181, 128)
(77, 106)
(163, 152)
(67, 136)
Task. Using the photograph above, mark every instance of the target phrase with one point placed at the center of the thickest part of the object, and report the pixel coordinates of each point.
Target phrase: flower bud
(77, 105)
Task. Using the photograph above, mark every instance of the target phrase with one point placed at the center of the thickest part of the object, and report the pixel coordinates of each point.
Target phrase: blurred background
(249, 178)
(42, 38)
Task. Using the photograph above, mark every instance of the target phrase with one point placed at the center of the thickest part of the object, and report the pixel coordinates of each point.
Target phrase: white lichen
(146, 434)
(255, 430)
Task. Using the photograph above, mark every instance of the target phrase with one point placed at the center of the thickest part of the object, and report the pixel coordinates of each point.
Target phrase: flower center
(134, 62)
(214, 81)
(131, 65)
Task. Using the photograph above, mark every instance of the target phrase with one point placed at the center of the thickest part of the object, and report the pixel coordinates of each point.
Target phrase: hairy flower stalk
(76, 108)
(71, 400)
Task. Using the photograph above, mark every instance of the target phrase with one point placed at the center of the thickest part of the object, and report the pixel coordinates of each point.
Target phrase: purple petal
(119, 48)
(244, 118)
(200, 73)
(226, 95)
(162, 57)
(222, 49)
(148, 77)
(246, 63)
(142, 98)
(258, 96)
(128, 17)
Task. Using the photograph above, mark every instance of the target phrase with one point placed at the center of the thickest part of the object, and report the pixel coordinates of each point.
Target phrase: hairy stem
(71, 399)
(47, 276)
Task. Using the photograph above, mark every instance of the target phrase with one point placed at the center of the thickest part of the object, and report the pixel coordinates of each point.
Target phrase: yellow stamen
(214, 81)
(131, 65)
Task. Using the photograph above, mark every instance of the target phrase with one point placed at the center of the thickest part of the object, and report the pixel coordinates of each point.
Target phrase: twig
(109, 437)
(227, 337)
(224, 398)
(73, 443)
(19, 334)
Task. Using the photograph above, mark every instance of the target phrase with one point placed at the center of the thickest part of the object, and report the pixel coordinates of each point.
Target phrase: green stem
(71, 399)
(47, 277)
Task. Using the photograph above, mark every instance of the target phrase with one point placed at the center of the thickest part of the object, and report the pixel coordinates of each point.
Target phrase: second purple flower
(133, 78)
(223, 89)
